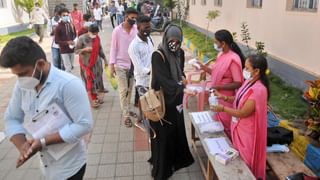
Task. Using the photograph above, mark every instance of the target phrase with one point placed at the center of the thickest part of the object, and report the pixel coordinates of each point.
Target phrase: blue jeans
(120, 18)
(56, 58)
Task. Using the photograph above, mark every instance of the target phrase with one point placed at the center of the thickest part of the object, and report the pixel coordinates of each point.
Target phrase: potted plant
(312, 95)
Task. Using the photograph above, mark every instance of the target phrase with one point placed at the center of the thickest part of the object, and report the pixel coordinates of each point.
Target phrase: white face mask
(247, 75)
(29, 83)
(92, 36)
(87, 24)
(217, 48)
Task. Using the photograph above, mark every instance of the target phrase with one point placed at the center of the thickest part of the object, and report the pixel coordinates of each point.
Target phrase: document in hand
(48, 122)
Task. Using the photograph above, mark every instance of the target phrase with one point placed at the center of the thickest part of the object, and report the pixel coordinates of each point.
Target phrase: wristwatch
(43, 142)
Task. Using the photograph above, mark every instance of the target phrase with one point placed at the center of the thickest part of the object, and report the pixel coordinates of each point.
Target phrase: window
(3, 3)
(193, 2)
(218, 3)
(254, 3)
(203, 2)
(302, 5)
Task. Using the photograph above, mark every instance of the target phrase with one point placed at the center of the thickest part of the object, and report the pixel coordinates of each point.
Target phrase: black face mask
(131, 22)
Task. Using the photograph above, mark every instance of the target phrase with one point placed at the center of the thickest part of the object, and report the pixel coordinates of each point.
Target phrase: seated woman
(226, 72)
(249, 115)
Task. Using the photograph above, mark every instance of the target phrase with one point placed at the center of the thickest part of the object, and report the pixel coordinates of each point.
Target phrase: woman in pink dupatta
(77, 18)
(249, 115)
(226, 72)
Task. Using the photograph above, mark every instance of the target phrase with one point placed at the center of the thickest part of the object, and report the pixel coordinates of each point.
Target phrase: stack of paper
(201, 117)
(211, 127)
(217, 145)
(194, 88)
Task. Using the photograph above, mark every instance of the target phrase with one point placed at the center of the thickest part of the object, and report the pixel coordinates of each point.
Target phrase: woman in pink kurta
(226, 72)
(249, 115)
(77, 18)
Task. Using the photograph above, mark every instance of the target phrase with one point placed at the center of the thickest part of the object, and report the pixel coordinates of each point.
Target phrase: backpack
(152, 102)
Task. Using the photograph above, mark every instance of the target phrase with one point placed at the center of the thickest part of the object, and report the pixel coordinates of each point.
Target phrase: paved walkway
(115, 152)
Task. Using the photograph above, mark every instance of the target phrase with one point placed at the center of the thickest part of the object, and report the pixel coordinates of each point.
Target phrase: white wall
(292, 37)
(11, 15)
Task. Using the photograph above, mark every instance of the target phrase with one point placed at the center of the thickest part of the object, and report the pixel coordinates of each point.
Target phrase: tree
(211, 16)
(245, 35)
(170, 4)
(27, 5)
(183, 10)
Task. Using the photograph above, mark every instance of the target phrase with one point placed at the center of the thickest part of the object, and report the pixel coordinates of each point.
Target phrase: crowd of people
(240, 84)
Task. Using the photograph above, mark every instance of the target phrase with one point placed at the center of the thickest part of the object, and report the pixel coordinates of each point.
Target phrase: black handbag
(279, 135)
(301, 176)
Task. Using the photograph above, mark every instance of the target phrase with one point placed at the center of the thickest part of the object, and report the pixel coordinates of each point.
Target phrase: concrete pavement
(114, 152)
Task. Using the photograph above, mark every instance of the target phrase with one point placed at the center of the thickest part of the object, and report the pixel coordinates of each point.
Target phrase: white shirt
(52, 25)
(38, 15)
(97, 14)
(140, 53)
(59, 88)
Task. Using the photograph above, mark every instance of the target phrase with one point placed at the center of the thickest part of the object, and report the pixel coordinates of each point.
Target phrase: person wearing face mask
(87, 21)
(169, 150)
(77, 17)
(120, 12)
(97, 13)
(120, 62)
(39, 85)
(65, 35)
(140, 52)
(226, 72)
(38, 18)
(55, 50)
(91, 55)
(249, 115)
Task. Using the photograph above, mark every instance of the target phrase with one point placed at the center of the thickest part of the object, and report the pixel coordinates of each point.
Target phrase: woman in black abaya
(169, 150)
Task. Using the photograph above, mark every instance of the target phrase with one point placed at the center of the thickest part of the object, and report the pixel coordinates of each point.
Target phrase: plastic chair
(201, 84)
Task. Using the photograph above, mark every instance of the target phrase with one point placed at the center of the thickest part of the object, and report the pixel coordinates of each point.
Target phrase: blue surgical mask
(247, 75)
(87, 24)
(217, 48)
(65, 18)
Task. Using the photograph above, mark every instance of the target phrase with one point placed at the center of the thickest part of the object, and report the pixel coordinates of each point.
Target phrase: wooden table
(285, 164)
(236, 169)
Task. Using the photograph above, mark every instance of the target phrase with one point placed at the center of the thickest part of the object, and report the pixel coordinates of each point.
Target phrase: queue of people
(240, 84)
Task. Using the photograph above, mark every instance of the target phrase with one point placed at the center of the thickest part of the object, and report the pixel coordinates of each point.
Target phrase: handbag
(152, 102)
(279, 135)
(301, 176)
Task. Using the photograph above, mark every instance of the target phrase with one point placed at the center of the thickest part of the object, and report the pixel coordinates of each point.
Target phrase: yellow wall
(290, 36)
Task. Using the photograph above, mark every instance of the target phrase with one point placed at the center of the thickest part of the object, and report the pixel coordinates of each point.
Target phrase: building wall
(290, 37)
(11, 15)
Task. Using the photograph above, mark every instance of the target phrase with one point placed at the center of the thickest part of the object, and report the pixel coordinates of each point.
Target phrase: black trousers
(79, 175)
(112, 18)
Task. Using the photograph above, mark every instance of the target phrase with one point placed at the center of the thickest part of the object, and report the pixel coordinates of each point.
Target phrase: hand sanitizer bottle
(213, 100)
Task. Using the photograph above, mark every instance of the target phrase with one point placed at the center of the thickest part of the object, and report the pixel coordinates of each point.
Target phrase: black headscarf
(172, 32)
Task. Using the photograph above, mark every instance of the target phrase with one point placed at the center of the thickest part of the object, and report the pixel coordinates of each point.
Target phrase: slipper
(133, 114)
(95, 104)
(128, 122)
(103, 91)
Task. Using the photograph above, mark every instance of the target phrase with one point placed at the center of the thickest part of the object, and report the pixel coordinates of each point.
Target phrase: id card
(179, 108)
(235, 120)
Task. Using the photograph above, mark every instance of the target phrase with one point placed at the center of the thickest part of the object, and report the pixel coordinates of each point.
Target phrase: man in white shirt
(120, 12)
(38, 18)
(140, 51)
(97, 12)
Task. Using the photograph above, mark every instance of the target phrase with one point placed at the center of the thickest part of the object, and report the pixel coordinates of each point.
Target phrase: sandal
(95, 103)
(133, 114)
(128, 122)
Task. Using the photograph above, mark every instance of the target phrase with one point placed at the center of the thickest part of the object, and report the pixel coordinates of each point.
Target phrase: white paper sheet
(217, 145)
(201, 117)
(211, 127)
(49, 122)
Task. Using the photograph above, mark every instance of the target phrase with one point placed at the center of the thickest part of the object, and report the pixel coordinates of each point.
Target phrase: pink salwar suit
(77, 20)
(249, 135)
(225, 70)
